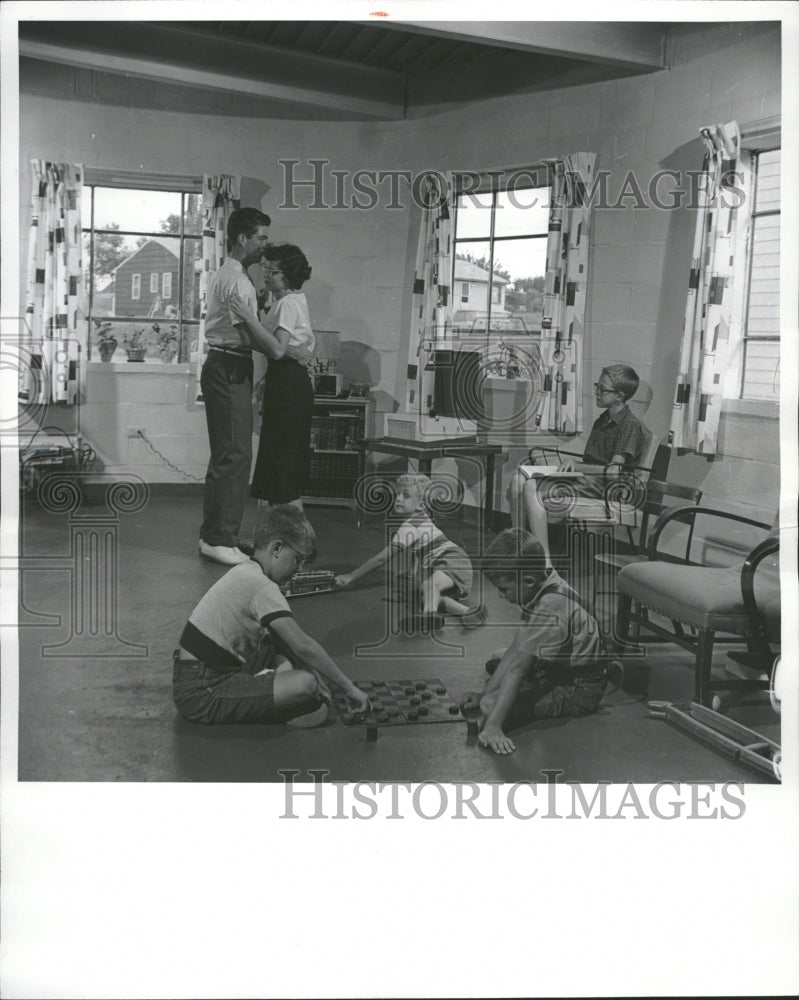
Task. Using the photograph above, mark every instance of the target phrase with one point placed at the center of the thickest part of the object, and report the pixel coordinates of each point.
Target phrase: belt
(241, 353)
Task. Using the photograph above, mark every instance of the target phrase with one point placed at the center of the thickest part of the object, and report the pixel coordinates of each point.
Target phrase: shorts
(544, 698)
(454, 562)
(202, 694)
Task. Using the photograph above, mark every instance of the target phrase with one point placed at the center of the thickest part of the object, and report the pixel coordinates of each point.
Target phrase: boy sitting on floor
(616, 441)
(556, 665)
(253, 662)
(434, 571)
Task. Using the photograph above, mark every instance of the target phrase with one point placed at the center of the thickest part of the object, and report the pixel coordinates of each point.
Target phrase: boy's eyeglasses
(603, 390)
(302, 555)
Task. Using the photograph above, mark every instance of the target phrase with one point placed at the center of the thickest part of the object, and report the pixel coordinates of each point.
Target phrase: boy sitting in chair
(616, 441)
(556, 665)
(243, 656)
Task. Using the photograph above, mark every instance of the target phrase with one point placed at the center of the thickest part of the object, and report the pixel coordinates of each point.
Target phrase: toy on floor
(399, 703)
(313, 581)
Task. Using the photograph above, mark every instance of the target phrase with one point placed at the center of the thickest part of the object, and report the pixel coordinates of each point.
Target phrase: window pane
(762, 370)
(127, 335)
(137, 211)
(522, 212)
(193, 250)
(763, 309)
(193, 215)
(470, 292)
(474, 216)
(767, 196)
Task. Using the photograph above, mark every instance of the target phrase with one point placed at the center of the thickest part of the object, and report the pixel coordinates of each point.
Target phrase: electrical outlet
(134, 432)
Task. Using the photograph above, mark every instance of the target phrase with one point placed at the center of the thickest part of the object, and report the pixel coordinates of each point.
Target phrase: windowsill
(139, 367)
(764, 409)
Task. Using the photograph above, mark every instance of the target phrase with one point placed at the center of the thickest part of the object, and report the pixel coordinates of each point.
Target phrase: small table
(424, 452)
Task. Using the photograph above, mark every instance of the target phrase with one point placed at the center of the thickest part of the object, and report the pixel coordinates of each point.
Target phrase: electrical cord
(166, 461)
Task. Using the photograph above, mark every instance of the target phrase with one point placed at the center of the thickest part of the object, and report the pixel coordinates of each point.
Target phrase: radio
(328, 385)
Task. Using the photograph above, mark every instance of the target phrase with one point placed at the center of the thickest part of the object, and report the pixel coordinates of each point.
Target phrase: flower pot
(106, 349)
(136, 353)
(168, 354)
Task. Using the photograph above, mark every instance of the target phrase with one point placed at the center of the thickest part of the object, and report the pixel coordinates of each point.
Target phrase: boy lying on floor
(250, 660)
(556, 664)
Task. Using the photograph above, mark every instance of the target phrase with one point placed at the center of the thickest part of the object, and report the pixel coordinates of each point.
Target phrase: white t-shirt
(232, 616)
(291, 312)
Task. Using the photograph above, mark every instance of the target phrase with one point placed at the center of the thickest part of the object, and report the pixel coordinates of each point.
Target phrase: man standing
(226, 383)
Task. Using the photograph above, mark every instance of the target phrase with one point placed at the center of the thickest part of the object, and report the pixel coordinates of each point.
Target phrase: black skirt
(284, 448)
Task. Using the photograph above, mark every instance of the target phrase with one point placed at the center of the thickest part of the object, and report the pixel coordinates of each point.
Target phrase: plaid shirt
(619, 435)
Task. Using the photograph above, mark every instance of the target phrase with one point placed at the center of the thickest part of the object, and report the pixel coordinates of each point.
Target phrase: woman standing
(284, 449)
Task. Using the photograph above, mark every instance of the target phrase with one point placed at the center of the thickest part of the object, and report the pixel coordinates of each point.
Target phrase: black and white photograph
(399, 431)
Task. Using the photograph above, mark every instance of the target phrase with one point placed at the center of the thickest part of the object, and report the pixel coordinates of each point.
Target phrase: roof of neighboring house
(168, 243)
(466, 270)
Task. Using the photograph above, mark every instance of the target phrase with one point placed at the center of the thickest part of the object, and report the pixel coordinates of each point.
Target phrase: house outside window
(464, 291)
(143, 246)
(499, 248)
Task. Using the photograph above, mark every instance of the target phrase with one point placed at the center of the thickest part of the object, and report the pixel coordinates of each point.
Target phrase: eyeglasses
(273, 270)
(302, 555)
(603, 390)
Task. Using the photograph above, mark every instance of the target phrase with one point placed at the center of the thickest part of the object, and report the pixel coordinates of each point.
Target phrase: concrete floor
(97, 707)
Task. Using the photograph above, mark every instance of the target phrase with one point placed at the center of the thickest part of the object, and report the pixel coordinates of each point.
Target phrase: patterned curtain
(431, 315)
(55, 337)
(221, 197)
(566, 283)
(714, 306)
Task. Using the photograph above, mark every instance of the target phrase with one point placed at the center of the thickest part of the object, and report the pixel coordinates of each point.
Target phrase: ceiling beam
(202, 59)
(633, 46)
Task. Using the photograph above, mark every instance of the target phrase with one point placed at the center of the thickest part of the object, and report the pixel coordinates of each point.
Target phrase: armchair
(706, 599)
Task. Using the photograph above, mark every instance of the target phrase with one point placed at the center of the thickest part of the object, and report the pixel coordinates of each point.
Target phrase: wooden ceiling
(349, 69)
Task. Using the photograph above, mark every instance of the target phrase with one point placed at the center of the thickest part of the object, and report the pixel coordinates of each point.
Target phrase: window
(500, 242)
(149, 225)
(465, 291)
(761, 327)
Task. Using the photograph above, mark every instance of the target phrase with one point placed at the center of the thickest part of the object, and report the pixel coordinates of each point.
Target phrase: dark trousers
(284, 448)
(226, 383)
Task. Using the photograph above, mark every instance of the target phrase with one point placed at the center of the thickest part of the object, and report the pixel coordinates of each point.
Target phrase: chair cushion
(707, 598)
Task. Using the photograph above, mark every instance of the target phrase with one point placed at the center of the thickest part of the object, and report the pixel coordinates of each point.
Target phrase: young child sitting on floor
(433, 571)
(616, 441)
(243, 656)
(556, 664)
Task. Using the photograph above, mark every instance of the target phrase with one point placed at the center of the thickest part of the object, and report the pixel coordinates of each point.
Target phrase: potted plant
(136, 345)
(167, 340)
(106, 341)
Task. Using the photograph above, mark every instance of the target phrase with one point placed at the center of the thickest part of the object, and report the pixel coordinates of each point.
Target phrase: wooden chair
(708, 600)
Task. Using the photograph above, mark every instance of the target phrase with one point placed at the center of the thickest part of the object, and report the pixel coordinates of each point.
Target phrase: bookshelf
(337, 462)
